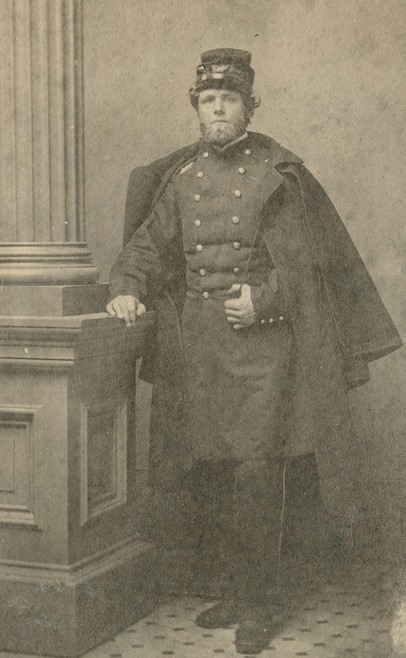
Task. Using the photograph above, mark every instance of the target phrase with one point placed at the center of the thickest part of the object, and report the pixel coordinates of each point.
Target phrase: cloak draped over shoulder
(338, 319)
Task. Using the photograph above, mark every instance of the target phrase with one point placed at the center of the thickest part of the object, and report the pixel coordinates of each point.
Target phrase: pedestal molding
(70, 613)
(77, 572)
(57, 342)
(53, 365)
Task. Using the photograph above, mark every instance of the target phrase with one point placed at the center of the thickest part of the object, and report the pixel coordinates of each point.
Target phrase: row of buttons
(271, 320)
(237, 194)
(234, 219)
(202, 271)
(241, 170)
(247, 152)
(236, 245)
(206, 295)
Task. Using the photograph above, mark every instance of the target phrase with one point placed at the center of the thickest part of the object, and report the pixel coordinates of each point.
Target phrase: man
(266, 315)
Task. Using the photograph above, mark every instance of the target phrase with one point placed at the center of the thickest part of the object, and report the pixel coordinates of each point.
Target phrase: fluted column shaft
(41, 140)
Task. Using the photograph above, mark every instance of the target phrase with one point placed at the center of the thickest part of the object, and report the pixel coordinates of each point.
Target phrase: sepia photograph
(202, 318)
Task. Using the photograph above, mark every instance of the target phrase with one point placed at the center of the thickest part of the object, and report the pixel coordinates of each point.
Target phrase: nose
(218, 106)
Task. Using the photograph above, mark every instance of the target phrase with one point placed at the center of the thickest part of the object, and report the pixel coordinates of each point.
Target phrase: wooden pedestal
(72, 569)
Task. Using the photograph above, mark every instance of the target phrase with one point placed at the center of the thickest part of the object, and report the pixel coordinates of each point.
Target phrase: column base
(67, 611)
(46, 263)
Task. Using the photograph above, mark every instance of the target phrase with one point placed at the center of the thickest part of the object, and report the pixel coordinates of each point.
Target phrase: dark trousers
(239, 506)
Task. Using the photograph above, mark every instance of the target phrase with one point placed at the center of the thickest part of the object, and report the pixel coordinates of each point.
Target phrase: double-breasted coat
(338, 320)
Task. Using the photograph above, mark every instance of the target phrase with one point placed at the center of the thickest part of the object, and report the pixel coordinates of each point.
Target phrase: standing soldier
(266, 316)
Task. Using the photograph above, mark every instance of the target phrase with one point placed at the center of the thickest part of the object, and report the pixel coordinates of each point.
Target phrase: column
(73, 570)
(41, 170)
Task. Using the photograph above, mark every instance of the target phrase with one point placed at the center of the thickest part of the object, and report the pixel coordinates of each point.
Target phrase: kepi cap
(224, 68)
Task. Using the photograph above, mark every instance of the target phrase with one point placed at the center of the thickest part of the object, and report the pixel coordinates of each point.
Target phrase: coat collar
(227, 147)
(276, 157)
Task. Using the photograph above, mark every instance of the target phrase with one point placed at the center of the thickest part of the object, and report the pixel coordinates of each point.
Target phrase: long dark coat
(338, 319)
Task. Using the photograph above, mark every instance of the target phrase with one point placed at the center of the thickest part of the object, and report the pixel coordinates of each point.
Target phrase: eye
(206, 99)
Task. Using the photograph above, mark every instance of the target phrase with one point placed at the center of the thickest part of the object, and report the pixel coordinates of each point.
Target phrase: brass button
(247, 151)
(199, 247)
(241, 170)
(270, 320)
(236, 270)
(200, 174)
(235, 219)
(197, 197)
(205, 294)
(236, 245)
(237, 193)
(206, 154)
(197, 223)
(281, 317)
(202, 272)
(262, 321)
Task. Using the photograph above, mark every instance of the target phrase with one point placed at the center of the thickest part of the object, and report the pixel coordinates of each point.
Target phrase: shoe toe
(252, 637)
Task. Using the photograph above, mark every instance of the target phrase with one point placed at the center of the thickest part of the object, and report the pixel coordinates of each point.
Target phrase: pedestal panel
(21, 500)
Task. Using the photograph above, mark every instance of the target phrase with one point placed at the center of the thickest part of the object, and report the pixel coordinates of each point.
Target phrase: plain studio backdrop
(331, 79)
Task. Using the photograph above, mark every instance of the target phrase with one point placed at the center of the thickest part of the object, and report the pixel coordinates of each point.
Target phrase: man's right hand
(127, 308)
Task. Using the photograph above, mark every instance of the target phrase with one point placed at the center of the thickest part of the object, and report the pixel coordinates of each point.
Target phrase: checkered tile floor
(332, 624)
(341, 614)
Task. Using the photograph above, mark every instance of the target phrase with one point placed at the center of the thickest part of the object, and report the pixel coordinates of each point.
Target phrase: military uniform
(236, 382)
(232, 404)
(231, 376)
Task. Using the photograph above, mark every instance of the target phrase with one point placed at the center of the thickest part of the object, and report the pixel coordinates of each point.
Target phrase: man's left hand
(240, 310)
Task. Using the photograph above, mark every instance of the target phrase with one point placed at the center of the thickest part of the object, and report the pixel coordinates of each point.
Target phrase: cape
(364, 327)
(339, 321)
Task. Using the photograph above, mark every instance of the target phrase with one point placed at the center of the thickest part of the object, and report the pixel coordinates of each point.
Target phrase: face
(222, 114)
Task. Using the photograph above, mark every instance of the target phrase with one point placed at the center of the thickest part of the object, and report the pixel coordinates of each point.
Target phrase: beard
(221, 134)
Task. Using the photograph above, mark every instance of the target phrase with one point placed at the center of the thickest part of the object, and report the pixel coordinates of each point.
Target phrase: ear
(250, 114)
